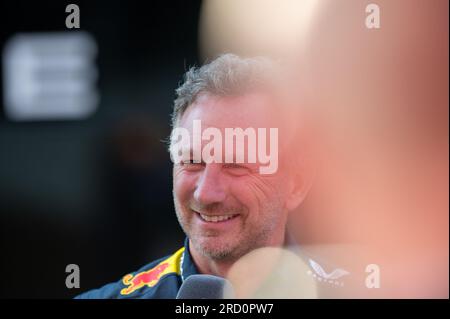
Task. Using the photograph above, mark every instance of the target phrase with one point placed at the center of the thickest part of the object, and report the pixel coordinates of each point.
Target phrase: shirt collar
(187, 264)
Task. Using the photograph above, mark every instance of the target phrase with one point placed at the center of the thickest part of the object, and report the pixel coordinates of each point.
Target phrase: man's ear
(300, 183)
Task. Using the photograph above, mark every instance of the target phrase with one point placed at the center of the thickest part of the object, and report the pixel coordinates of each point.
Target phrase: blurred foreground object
(379, 99)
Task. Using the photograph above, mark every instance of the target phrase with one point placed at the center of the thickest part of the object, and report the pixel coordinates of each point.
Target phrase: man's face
(229, 209)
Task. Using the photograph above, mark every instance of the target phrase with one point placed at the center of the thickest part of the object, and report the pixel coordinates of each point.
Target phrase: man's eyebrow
(187, 150)
(190, 153)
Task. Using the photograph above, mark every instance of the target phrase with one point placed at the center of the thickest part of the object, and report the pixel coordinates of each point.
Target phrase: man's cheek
(248, 193)
(180, 181)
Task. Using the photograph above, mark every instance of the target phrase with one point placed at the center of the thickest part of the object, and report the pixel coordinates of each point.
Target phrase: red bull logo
(146, 278)
(151, 277)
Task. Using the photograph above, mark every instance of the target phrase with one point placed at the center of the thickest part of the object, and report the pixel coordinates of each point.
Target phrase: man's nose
(210, 188)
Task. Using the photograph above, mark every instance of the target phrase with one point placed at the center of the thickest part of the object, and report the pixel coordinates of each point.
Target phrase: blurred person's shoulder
(159, 279)
(338, 270)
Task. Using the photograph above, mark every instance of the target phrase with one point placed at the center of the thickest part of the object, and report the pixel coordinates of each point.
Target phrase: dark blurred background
(96, 191)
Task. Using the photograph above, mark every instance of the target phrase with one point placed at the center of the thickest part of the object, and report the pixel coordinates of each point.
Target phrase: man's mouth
(217, 218)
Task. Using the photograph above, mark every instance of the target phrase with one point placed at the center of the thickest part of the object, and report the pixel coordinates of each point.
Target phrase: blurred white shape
(255, 27)
(50, 76)
(335, 274)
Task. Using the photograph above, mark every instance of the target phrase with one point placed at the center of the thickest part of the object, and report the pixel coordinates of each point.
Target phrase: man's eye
(189, 161)
(236, 169)
(191, 165)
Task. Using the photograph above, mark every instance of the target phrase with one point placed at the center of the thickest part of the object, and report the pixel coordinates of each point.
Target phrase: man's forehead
(249, 110)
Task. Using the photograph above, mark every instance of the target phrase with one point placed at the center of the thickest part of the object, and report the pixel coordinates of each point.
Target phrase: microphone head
(205, 287)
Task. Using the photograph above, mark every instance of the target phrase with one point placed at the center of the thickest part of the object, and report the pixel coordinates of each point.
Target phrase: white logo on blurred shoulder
(321, 275)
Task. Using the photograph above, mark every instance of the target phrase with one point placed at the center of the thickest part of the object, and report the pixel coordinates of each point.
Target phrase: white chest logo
(321, 275)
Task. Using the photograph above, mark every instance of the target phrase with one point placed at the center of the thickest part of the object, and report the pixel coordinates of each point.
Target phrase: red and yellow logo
(151, 277)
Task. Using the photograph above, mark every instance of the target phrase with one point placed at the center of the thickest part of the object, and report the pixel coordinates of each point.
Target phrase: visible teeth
(215, 219)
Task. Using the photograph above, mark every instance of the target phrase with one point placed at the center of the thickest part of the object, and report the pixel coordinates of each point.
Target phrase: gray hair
(227, 75)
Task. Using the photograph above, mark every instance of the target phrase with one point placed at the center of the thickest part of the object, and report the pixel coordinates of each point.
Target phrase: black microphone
(205, 287)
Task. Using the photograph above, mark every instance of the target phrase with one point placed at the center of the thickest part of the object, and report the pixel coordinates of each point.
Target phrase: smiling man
(232, 120)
